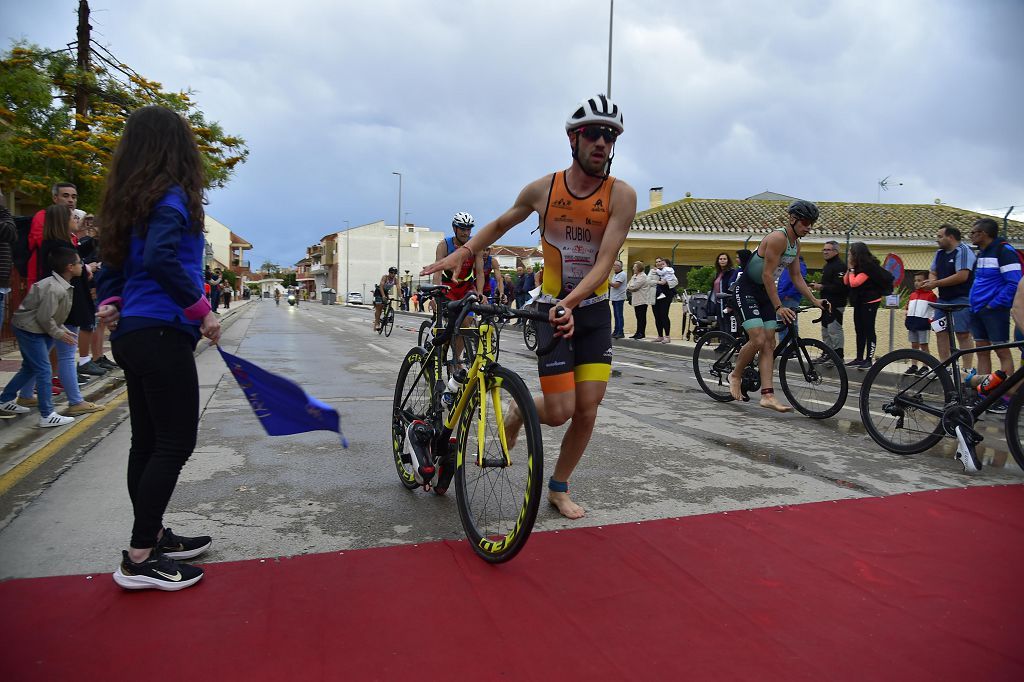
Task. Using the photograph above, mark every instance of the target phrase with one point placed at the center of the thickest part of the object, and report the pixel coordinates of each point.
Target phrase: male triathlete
(384, 290)
(463, 277)
(757, 298)
(585, 215)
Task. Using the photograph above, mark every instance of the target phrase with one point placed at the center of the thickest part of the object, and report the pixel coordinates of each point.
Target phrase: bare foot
(770, 402)
(513, 424)
(566, 507)
(736, 388)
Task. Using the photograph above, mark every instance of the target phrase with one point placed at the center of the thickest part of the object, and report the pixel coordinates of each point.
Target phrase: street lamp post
(398, 258)
(611, 19)
(348, 261)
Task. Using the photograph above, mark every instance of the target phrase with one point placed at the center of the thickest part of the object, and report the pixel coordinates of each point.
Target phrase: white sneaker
(54, 420)
(12, 406)
(965, 452)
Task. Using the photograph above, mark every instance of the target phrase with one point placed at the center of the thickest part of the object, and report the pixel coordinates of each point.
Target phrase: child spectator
(37, 323)
(919, 319)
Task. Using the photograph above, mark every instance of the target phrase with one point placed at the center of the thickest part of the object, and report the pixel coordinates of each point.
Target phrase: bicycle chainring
(954, 416)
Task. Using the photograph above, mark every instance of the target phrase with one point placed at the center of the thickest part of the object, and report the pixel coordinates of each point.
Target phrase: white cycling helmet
(462, 219)
(598, 110)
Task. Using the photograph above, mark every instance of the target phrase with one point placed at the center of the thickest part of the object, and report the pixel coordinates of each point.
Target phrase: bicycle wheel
(816, 390)
(1014, 427)
(425, 336)
(891, 402)
(413, 394)
(497, 496)
(530, 334)
(389, 322)
(713, 358)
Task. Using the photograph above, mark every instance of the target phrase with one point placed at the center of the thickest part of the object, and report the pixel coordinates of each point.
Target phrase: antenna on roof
(883, 185)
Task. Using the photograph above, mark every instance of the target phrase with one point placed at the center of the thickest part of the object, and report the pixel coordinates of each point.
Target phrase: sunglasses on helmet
(592, 132)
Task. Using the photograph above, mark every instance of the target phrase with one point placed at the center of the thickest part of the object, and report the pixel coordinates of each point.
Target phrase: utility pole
(81, 91)
(611, 18)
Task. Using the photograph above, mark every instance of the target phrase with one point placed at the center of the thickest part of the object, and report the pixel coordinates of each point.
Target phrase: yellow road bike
(439, 436)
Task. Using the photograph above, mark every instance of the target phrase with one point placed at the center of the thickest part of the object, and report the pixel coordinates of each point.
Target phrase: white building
(365, 252)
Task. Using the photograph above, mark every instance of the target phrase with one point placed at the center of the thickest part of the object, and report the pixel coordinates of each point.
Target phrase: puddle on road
(744, 450)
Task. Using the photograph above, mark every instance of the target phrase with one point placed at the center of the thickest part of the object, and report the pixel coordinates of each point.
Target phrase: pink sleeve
(199, 309)
(856, 280)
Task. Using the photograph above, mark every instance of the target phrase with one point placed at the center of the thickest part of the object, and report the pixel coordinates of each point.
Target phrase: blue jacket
(160, 282)
(786, 287)
(996, 274)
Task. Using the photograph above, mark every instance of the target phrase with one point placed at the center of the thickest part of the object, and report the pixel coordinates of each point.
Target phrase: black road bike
(811, 374)
(910, 413)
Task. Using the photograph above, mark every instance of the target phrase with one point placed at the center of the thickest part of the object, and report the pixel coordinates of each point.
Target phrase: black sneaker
(158, 572)
(911, 370)
(855, 362)
(999, 407)
(106, 364)
(178, 547)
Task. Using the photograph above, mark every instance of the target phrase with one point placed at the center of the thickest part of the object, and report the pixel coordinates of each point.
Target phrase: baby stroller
(698, 316)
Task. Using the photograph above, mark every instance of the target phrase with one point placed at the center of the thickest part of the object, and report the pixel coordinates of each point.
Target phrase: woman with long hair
(868, 282)
(639, 289)
(151, 296)
(725, 277)
(58, 221)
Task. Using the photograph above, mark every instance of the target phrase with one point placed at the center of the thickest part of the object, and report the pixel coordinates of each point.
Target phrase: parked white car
(355, 297)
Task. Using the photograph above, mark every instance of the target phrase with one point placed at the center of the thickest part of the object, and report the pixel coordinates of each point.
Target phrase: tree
(43, 140)
(700, 279)
(289, 280)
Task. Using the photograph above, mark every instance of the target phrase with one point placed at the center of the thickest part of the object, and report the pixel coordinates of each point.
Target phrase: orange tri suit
(571, 232)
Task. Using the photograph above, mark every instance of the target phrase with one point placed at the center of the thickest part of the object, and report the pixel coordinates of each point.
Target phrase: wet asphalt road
(661, 449)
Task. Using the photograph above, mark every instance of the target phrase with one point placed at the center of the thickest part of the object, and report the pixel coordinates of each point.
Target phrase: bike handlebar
(468, 304)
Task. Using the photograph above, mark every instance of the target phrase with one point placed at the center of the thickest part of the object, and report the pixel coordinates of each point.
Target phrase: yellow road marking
(40, 456)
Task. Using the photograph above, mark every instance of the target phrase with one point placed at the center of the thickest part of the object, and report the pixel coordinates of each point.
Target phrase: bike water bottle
(991, 381)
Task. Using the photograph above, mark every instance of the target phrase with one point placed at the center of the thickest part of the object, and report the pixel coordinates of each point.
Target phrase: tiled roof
(517, 251)
(912, 222)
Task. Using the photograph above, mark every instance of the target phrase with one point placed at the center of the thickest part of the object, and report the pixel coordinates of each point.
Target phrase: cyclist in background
(385, 289)
(468, 274)
(757, 298)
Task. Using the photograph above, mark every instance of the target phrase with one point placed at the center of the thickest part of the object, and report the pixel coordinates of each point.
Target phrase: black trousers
(641, 319)
(661, 321)
(163, 402)
(864, 315)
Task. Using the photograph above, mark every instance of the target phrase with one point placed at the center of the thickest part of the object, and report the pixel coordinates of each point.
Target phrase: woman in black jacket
(868, 282)
(725, 277)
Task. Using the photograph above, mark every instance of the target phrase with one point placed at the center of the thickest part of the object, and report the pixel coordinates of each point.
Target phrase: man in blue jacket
(996, 275)
(790, 297)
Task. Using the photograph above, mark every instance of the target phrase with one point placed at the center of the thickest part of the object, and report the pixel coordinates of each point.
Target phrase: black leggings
(641, 319)
(661, 321)
(163, 402)
(864, 315)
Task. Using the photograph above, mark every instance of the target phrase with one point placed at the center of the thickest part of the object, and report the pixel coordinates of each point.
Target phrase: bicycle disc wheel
(1014, 427)
(816, 390)
(498, 497)
(530, 334)
(389, 323)
(713, 358)
(412, 401)
(891, 402)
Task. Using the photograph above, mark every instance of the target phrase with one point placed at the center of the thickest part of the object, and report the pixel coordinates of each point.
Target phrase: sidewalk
(22, 437)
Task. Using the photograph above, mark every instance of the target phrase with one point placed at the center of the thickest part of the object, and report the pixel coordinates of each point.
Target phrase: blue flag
(281, 405)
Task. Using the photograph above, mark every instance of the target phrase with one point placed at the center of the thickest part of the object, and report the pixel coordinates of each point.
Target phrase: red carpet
(913, 587)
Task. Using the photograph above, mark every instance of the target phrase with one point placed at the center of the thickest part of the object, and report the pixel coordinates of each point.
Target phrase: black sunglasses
(591, 133)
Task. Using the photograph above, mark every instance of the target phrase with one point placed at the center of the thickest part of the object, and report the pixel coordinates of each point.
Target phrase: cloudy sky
(467, 99)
